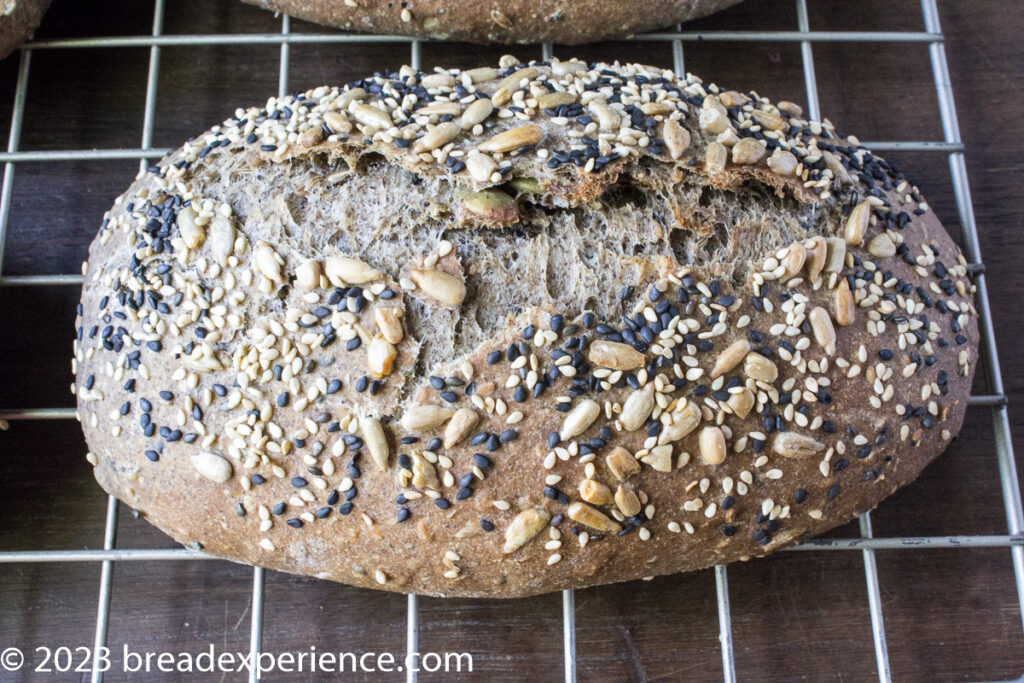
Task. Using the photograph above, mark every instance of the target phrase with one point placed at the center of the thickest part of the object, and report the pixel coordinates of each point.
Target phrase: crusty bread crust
(18, 19)
(517, 329)
(500, 22)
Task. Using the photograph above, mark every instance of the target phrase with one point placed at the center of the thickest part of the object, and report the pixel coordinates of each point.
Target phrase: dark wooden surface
(950, 614)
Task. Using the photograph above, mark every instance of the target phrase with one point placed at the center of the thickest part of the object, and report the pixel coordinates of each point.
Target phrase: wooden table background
(950, 614)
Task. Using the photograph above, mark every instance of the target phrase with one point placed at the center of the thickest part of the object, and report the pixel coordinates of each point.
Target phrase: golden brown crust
(18, 19)
(491, 21)
(799, 389)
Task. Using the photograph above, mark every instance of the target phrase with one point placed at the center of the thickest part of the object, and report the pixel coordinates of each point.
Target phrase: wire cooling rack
(866, 544)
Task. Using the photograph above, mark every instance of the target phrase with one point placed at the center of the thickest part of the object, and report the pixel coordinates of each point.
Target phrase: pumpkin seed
(523, 528)
(782, 162)
(212, 466)
(492, 206)
(579, 418)
(480, 166)
(592, 517)
(614, 355)
(446, 289)
(712, 446)
(460, 426)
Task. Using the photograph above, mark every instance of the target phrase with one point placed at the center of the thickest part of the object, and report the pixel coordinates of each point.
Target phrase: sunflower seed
(622, 463)
(579, 418)
(793, 445)
(759, 368)
(857, 223)
(595, 493)
(424, 474)
(627, 501)
(446, 289)
(712, 446)
(782, 162)
(741, 402)
(388, 323)
(380, 354)
(438, 136)
(833, 164)
(268, 263)
(510, 84)
(512, 139)
(437, 80)
(212, 466)
(747, 151)
(553, 100)
(790, 108)
(345, 270)
(730, 357)
(222, 238)
(440, 108)
(637, 408)
(348, 97)
(423, 417)
(372, 116)
(816, 249)
(881, 245)
(308, 274)
(524, 527)
(684, 421)
(846, 310)
(768, 120)
(835, 255)
(715, 157)
(607, 118)
(460, 426)
(376, 443)
(677, 138)
(615, 355)
(714, 121)
(192, 234)
(592, 517)
(824, 332)
(480, 166)
(338, 122)
(492, 206)
(660, 458)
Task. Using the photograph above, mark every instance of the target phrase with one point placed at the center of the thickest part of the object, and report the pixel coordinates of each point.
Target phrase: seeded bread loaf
(515, 329)
(18, 19)
(507, 21)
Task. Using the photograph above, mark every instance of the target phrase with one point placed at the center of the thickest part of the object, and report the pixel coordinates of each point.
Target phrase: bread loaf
(18, 19)
(515, 329)
(509, 21)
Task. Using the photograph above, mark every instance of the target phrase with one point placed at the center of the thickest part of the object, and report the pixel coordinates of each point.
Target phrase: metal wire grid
(951, 145)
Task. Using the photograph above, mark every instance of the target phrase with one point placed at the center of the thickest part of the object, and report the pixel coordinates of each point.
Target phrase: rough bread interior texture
(18, 19)
(515, 329)
(500, 21)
